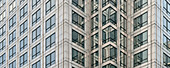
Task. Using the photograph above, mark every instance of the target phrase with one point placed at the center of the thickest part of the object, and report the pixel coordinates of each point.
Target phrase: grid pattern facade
(84, 34)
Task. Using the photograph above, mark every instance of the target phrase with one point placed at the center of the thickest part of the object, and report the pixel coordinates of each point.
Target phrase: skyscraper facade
(84, 33)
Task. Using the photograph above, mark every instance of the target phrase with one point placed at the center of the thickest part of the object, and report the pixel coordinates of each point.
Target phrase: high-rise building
(84, 33)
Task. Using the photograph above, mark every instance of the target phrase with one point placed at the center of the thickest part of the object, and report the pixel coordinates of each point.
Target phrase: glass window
(12, 6)
(2, 30)
(2, 16)
(77, 38)
(95, 40)
(36, 34)
(166, 60)
(140, 39)
(78, 57)
(23, 43)
(2, 3)
(79, 4)
(95, 23)
(12, 22)
(106, 2)
(12, 64)
(123, 6)
(50, 5)
(2, 45)
(36, 51)
(109, 16)
(21, 1)
(50, 41)
(36, 17)
(50, 23)
(123, 24)
(36, 64)
(94, 6)
(109, 53)
(109, 66)
(166, 24)
(2, 59)
(23, 11)
(166, 7)
(140, 21)
(23, 27)
(12, 52)
(23, 59)
(50, 59)
(139, 4)
(166, 42)
(77, 20)
(35, 3)
(123, 60)
(12, 37)
(95, 59)
(109, 34)
(123, 42)
(140, 58)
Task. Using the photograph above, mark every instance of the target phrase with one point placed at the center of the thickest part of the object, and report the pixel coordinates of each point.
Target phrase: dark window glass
(77, 38)
(77, 20)
(166, 42)
(94, 6)
(109, 66)
(35, 3)
(109, 34)
(123, 24)
(12, 22)
(50, 23)
(95, 39)
(140, 58)
(95, 59)
(23, 43)
(166, 60)
(2, 45)
(12, 52)
(23, 27)
(123, 42)
(2, 30)
(12, 64)
(140, 39)
(36, 34)
(36, 51)
(2, 59)
(123, 6)
(166, 6)
(78, 57)
(36, 64)
(23, 59)
(166, 24)
(12, 37)
(123, 60)
(50, 59)
(95, 23)
(23, 11)
(109, 53)
(109, 16)
(106, 2)
(49, 6)
(79, 4)
(139, 4)
(36, 17)
(140, 21)
(50, 41)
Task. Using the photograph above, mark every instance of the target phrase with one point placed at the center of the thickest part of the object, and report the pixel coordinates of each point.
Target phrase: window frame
(52, 41)
(13, 53)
